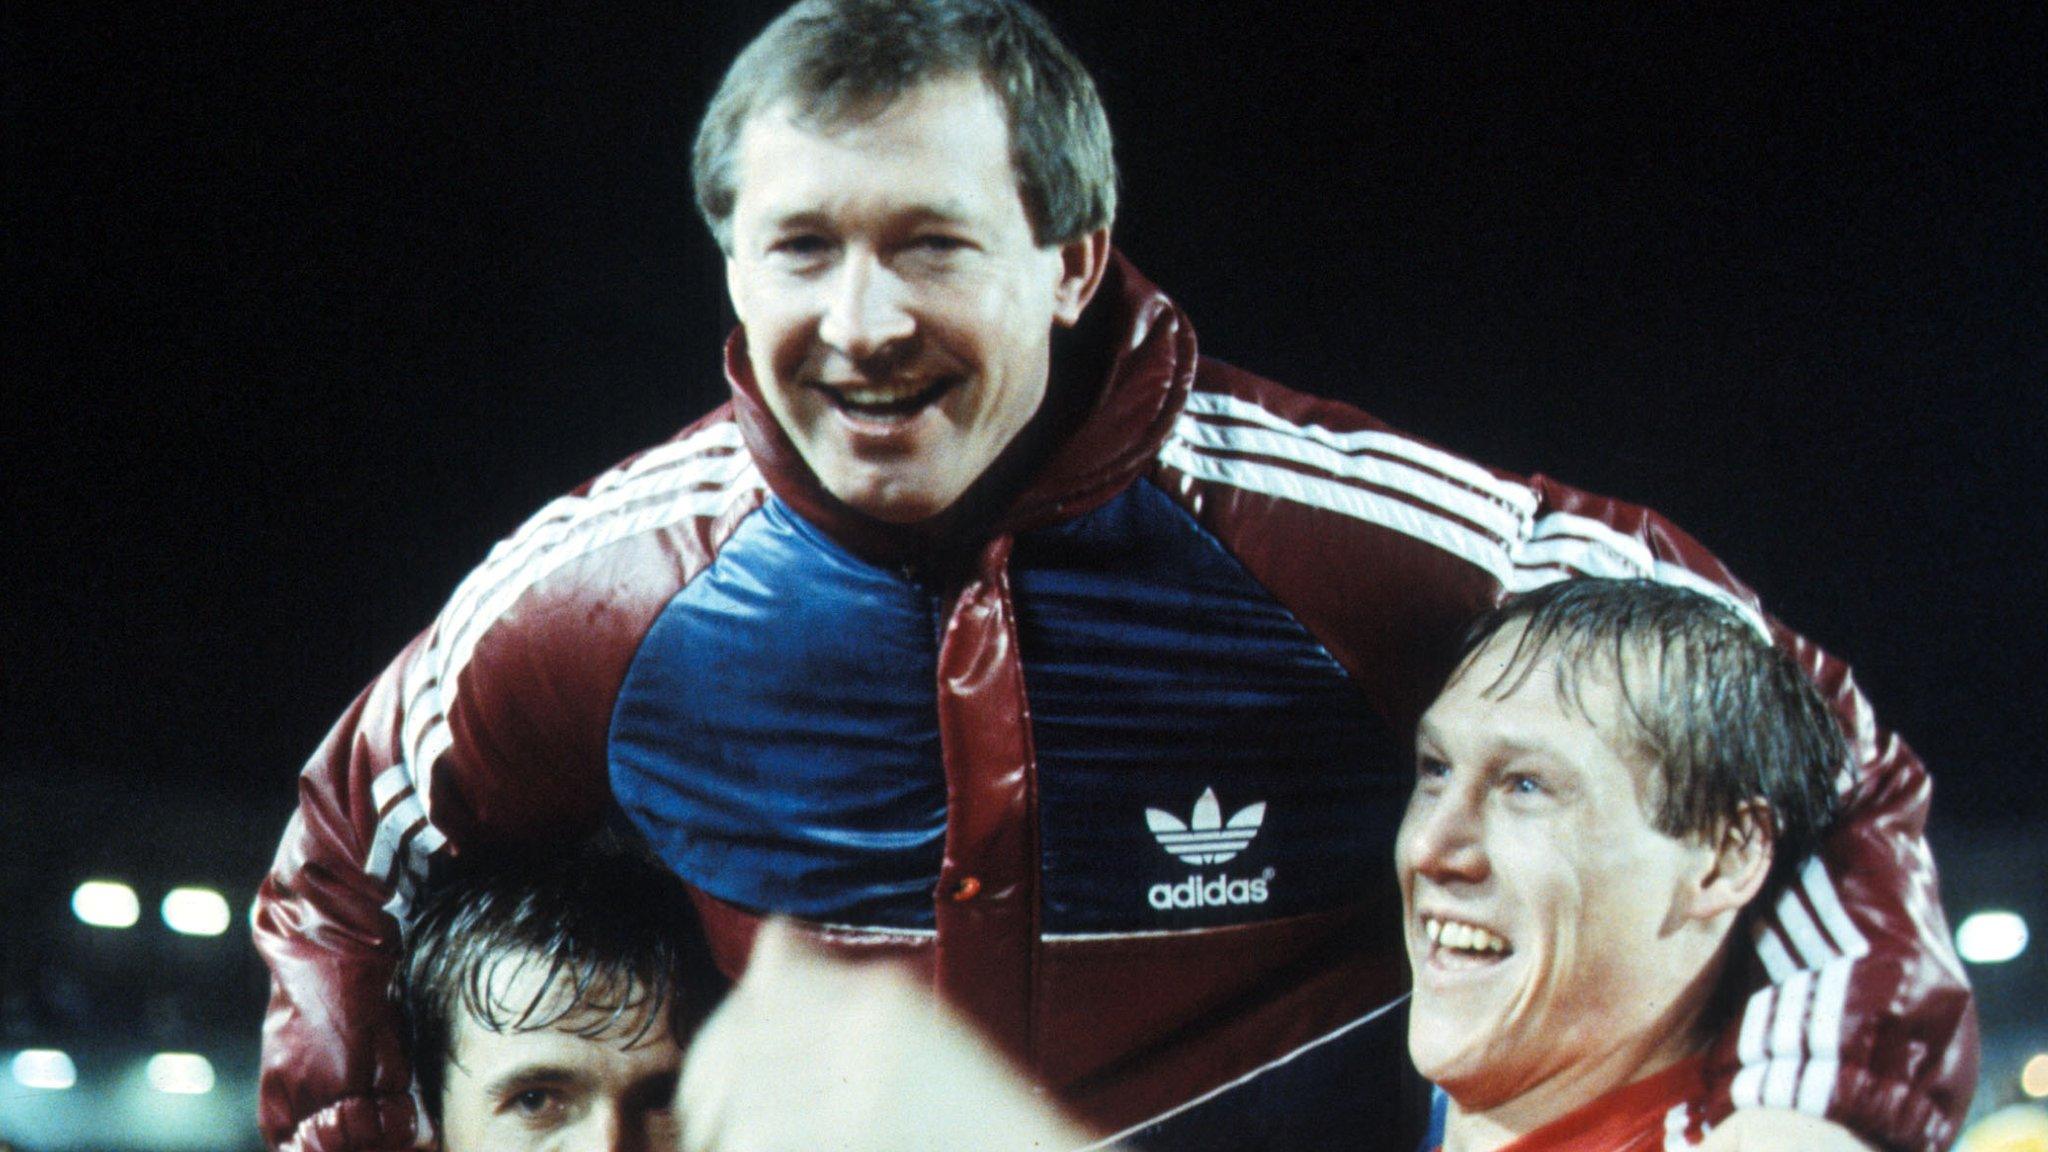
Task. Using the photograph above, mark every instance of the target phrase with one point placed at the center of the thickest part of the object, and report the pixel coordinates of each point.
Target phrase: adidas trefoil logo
(1206, 838)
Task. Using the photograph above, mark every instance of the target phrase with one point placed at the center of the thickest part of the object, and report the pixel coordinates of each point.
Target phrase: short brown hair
(1723, 714)
(607, 923)
(846, 60)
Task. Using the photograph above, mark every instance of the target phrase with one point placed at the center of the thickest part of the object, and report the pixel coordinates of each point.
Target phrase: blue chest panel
(777, 735)
(1202, 761)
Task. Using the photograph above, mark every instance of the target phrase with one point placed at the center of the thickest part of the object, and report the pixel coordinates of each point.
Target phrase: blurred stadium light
(196, 911)
(106, 904)
(2034, 1077)
(44, 1068)
(2016, 1129)
(111, 1000)
(1991, 937)
(115, 1107)
(181, 1073)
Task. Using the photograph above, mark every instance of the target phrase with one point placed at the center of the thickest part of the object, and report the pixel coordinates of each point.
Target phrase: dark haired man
(1078, 672)
(546, 1003)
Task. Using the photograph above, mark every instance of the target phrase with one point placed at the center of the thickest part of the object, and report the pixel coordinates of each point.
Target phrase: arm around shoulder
(1861, 1012)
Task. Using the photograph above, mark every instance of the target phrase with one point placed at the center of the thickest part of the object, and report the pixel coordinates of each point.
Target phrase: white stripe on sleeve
(700, 476)
(1820, 888)
(1830, 998)
(1747, 1091)
(1788, 1029)
(1799, 928)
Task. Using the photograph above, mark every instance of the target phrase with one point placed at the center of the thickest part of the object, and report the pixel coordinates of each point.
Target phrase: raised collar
(1134, 351)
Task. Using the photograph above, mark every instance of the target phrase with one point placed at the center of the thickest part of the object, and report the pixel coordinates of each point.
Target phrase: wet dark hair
(1725, 717)
(611, 928)
(842, 61)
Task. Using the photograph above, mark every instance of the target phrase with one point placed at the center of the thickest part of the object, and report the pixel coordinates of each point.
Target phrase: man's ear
(1740, 863)
(1082, 263)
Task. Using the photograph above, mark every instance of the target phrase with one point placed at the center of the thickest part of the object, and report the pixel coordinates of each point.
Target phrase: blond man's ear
(1740, 862)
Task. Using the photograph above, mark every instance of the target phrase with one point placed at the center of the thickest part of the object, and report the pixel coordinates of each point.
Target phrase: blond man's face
(1543, 908)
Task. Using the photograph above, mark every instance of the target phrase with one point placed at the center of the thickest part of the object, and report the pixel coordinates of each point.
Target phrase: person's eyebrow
(1508, 748)
(1550, 752)
(1515, 742)
(1426, 729)
(938, 214)
(530, 1076)
(801, 219)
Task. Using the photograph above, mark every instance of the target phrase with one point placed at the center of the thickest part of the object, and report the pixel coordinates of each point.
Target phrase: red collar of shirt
(1628, 1119)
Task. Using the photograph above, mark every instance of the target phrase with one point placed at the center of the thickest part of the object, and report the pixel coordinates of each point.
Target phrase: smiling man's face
(898, 311)
(583, 1081)
(1543, 909)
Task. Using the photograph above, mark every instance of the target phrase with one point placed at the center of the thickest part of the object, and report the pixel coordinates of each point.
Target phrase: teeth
(1462, 937)
(885, 393)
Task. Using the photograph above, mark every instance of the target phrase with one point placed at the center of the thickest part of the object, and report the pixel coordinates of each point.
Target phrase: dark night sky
(313, 304)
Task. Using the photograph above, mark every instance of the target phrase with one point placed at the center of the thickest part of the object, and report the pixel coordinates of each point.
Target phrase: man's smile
(1448, 944)
(884, 401)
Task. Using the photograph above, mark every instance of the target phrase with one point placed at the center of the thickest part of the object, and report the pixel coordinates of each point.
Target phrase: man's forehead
(634, 1028)
(1560, 688)
(581, 1049)
(839, 111)
(1592, 677)
(933, 135)
(822, 205)
(527, 992)
(566, 1046)
(1508, 666)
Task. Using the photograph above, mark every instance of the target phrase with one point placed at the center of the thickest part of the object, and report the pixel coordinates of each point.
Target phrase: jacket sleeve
(1857, 1008)
(487, 732)
(327, 921)
(482, 734)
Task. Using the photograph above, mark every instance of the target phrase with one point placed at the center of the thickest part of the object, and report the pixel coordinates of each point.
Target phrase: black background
(306, 306)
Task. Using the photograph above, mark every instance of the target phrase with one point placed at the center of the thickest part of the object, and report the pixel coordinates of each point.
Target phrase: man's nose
(1448, 839)
(867, 308)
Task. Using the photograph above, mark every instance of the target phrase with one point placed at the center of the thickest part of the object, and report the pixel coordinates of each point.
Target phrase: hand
(1780, 1130)
(812, 1053)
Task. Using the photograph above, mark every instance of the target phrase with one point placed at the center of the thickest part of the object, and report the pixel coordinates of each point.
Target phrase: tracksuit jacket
(1118, 766)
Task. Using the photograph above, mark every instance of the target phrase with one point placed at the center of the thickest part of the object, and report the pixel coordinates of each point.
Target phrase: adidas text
(1198, 891)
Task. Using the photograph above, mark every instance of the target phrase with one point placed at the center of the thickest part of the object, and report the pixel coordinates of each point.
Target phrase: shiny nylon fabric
(494, 725)
(781, 749)
(775, 737)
